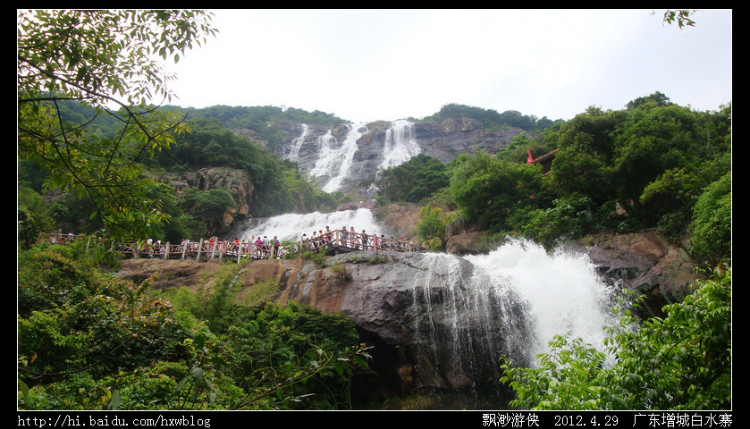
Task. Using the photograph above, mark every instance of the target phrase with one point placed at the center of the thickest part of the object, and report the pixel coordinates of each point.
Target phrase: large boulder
(646, 263)
(417, 311)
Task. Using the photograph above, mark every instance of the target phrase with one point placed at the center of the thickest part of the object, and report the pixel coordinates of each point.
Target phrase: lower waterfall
(562, 291)
(467, 311)
(470, 310)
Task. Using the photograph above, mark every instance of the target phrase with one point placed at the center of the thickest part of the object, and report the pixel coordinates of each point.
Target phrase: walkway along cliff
(330, 242)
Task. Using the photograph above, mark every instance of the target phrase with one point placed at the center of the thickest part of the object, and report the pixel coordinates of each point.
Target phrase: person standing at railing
(275, 247)
(314, 240)
(258, 247)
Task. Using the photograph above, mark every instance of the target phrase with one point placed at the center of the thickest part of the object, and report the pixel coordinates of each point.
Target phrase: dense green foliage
(490, 119)
(431, 226)
(494, 193)
(712, 220)
(681, 362)
(412, 181)
(277, 186)
(90, 341)
(265, 122)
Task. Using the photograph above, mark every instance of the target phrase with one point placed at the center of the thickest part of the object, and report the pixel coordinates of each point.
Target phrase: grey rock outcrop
(407, 306)
(648, 264)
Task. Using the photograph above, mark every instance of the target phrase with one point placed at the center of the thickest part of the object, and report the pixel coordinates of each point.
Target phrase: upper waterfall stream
(331, 155)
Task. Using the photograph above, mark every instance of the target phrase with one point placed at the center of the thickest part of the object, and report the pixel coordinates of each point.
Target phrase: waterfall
(562, 291)
(332, 167)
(326, 163)
(557, 292)
(297, 144)
(512, 301)
(465, 321)
(334, 159)
(400, 144)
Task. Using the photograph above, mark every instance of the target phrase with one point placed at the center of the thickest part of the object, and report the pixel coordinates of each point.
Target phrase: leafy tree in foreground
(102, 58)
(88, 340)
(680, 362)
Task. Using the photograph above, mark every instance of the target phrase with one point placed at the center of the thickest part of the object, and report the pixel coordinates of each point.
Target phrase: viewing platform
(331, 243)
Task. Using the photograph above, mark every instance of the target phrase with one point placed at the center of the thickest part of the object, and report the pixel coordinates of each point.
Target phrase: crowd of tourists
(351, 239)
(261, 247)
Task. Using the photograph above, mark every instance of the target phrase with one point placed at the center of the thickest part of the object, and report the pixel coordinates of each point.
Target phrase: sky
(365, 65)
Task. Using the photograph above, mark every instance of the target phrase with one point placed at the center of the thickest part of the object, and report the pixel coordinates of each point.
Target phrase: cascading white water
(334, 159)
(512, 301)
(561, 290)
(325, 165)
(297, 144)
(464, 322)
(400, 144)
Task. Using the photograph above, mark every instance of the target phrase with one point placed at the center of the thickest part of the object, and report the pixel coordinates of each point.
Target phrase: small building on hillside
(546, 160)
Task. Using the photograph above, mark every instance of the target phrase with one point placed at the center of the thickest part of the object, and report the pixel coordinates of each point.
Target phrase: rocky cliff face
(401, 304)
(448, 139)
(237, 182)
(645, 263)
(443, 141)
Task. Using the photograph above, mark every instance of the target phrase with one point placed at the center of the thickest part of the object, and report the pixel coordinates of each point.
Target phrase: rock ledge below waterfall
(377, 291)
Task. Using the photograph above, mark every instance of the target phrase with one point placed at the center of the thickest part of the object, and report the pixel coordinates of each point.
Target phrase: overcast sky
(366, 65)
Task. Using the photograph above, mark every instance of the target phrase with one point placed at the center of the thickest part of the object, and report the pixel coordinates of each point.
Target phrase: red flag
(531, 160)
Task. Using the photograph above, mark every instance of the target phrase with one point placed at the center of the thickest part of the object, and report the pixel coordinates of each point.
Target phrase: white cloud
(387, 64)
